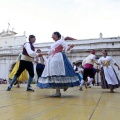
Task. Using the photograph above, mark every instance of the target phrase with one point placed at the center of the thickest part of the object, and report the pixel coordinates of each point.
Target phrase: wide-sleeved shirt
(105, 61)
(88, 61)
(30, 52)
(58, 43)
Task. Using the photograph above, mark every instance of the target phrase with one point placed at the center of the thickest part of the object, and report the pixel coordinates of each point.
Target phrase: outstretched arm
(65, 46)
(95, 62)
(40, 54)
(70, 47)
(117, 66)
(69, 38)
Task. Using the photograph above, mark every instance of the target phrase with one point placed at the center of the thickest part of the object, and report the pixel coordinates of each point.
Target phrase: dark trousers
(25, 65)
(88, 72)
(39, 71)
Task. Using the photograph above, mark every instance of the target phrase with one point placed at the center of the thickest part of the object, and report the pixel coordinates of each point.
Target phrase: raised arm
(65, 46)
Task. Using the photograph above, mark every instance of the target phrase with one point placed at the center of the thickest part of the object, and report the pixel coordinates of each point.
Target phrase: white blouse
(57, 43)
(106, 59)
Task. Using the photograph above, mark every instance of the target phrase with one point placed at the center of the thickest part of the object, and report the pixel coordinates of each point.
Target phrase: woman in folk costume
(109, 78)
(24, 75)
(58, 72)
(26, 62)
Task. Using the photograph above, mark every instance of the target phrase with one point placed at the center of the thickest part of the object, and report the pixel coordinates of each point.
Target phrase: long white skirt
(54, 66)
(110, 75)
(109, 78)
(58, 73)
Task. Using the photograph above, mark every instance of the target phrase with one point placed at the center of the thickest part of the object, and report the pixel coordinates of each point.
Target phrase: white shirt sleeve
(30, 52)
(112, 61)
(92, 56)
(64, 45)
(83, 62)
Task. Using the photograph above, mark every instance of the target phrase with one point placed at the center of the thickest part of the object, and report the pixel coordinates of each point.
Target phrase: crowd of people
(57, 72)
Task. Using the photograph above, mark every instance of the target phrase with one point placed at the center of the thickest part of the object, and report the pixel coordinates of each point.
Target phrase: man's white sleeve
(30, 52)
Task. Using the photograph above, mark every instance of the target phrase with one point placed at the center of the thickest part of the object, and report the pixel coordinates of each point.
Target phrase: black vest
(25, 51)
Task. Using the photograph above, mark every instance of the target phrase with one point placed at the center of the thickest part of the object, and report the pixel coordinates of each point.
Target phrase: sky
(80, 19)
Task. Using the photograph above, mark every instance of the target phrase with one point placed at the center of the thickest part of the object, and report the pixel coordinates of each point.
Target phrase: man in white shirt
(88, 63)
(27, 58)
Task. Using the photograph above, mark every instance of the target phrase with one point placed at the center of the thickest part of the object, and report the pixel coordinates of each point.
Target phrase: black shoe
(30, 90)
(8, 89)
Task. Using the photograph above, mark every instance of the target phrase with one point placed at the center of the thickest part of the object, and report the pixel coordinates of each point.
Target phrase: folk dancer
(88, 63)
(26, 63)
(58, 73)
(109, 78)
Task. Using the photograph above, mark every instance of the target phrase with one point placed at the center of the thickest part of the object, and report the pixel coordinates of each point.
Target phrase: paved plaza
(91, 104)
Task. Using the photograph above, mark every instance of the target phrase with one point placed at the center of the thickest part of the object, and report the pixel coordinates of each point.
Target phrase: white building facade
(11, 46)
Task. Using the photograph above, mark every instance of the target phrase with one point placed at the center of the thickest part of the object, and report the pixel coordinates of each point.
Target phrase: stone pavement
(91, 104)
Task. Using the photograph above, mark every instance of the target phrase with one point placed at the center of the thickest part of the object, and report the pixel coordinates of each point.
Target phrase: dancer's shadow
(63, 96)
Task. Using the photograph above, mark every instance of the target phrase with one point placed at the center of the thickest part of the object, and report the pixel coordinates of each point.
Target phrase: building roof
(7, 33)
